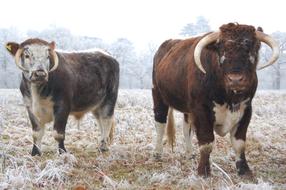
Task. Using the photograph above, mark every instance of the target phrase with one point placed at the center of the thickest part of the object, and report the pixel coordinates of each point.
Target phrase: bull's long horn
(199, 47)
(17, 59)
(56, 61)
(271, 43)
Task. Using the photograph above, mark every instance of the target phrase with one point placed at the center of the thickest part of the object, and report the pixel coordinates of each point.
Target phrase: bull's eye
(27, 56)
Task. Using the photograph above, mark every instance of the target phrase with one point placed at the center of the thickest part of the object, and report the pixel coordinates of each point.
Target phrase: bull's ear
(12, 47)
(53, 45)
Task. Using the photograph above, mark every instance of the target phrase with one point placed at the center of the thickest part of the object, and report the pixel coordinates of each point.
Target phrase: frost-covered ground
(129, 163)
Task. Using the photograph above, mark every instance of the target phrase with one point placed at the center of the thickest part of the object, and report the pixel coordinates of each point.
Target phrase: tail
(171, 131)
(111, 131)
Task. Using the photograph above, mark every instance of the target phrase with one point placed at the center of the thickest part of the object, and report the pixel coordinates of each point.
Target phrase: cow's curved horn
(199, 47)
(271, 43)
(17, 59)
(56, 61)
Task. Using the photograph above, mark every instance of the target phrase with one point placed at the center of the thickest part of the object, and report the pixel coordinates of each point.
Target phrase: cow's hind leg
(61, 113)
(105, 120)
(160, 114)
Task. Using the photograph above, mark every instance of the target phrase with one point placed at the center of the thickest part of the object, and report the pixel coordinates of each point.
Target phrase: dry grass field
(129, 164)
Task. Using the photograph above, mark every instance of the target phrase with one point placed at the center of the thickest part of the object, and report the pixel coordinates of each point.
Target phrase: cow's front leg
(61, 113)
(205, 135)
(38, 133)
(238, 137)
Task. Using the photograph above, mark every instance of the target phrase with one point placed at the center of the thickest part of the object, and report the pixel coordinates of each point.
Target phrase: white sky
(141, 21)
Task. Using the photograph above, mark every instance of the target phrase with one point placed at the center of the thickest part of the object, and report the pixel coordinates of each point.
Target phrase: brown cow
(212, 80)
(56, 84)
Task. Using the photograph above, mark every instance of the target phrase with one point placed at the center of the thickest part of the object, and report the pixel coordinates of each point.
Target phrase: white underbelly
(226, 119)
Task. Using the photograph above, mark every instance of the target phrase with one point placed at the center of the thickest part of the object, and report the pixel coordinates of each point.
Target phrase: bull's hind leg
(160, 114)
(188, 130)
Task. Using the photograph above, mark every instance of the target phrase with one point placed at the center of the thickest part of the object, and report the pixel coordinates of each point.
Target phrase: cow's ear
(53, 45)
(12, 47)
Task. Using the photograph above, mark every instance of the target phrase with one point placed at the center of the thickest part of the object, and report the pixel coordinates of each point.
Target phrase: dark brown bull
(212, 80)
(55, 85)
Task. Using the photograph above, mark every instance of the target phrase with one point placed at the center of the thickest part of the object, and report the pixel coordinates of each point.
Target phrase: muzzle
(236, 82)
(39, 76)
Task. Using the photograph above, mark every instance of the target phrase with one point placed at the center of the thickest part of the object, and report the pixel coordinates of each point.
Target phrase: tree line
(135, 67)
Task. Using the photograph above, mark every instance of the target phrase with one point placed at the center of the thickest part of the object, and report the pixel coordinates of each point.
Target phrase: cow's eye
(27, 56)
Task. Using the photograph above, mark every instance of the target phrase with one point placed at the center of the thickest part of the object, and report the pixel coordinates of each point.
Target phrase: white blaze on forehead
(226, 119)
(37, 50)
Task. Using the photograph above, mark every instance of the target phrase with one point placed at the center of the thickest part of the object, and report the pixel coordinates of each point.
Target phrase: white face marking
(251, 59)
(225, 119)
(160, 130)
(222, 58)
(36, 57)
(42, 108)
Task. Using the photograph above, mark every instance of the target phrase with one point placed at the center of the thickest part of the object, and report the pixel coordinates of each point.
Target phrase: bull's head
(35, 57)
(237, 49)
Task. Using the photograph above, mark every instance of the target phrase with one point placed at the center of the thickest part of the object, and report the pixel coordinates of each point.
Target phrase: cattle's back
(90, 75)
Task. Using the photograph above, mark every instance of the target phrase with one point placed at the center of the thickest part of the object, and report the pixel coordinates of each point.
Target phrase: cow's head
(35, 57)
(237, 48)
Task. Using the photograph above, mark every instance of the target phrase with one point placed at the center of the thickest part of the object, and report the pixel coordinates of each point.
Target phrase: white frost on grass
(132, 149)
(56, 170)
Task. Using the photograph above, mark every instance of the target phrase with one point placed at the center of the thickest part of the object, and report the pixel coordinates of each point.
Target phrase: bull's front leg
(205, 135)
(61, 113)
(238, 137)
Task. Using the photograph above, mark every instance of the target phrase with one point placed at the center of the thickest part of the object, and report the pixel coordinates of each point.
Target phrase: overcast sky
(141, 21)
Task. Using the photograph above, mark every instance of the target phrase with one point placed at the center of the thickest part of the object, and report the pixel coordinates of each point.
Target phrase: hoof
(103, 147)
(204, 171)
(190, 156)
(35, 151)
(62, 150)
(157, 156)
(242, 167)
